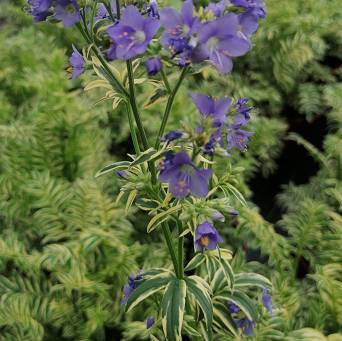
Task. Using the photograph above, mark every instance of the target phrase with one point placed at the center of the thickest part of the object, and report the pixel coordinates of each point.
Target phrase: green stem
(132, 129)
(109, 10)
(169, 107)
(92, 18)
(137, 118)
(118, 14)
(168, 239)
(180, 250)
(98, 54)
(165, 80)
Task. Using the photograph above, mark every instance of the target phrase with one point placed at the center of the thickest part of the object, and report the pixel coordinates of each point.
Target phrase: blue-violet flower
(39, 9)
(184, 177)
(131, 285)
(153, 66)
(220, 41)
(132, 34)
(77, 63)
(266, 301)
(68, 11)
(149, 322)
(207, 237)
(172, 136)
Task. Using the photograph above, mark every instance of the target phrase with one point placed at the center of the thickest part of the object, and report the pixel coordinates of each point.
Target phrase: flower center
(186, 29)
(204, 241)
(182, 187)
(140, 36)
(187, 169)
(70, 9)
(213, 42)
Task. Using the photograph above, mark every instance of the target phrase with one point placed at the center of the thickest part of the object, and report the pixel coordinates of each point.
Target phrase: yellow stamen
(204, 241)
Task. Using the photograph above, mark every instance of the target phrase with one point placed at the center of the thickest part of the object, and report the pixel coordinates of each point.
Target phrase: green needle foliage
(65, 246)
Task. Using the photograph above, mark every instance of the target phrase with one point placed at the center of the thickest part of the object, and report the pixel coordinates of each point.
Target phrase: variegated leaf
(218, 282)
(195, 262)
(229, 273)
(161, 217)
(144, 157)
(223, 320)
(242, 301)
(148, 288)
(190, 330)
(172, 309)
(251, 279)
(201, 292)
(132, 195)
(113, 167)
(213, 265)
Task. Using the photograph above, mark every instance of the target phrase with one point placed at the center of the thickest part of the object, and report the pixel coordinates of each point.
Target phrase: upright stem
(180, 250)
(165, 226)
(131, 96)
(98, 54)
(165, 80)
(168, 239)
(137, 118)
(132, 129)
(169, 107)
(118, 14)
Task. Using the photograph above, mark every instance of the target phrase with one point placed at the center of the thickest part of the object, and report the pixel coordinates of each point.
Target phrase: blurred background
(67, 246)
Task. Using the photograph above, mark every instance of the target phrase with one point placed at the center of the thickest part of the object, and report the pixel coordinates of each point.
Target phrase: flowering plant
(173, 180)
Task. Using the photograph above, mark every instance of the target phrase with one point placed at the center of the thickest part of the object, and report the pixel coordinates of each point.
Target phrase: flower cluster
(67, 11)
(217, 37)
(218, 40)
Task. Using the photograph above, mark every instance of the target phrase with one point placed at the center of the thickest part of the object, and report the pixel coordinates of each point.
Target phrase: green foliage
(66, 246)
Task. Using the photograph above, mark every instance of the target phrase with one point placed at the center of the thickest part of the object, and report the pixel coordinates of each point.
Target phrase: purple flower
(77, 63)
(68, 11)
(207, 237)
(215, 139)
(243, 109)
(217, 8)
(233, 308)
(246, 325)
(131, 285)
(221, 41)
(209, 148)
(184, 177)
(238, 138)
(179, 29)
(152, 9)
(266, 301)
(249, 22)
(218, 216)
(149, 322)
(40, 9)
(257, 6)
(132, 34)
(111, 52)
(167, 162)
(215, 108)
(172, 136)
(102, 12)
(153, 66)
(233, 212)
